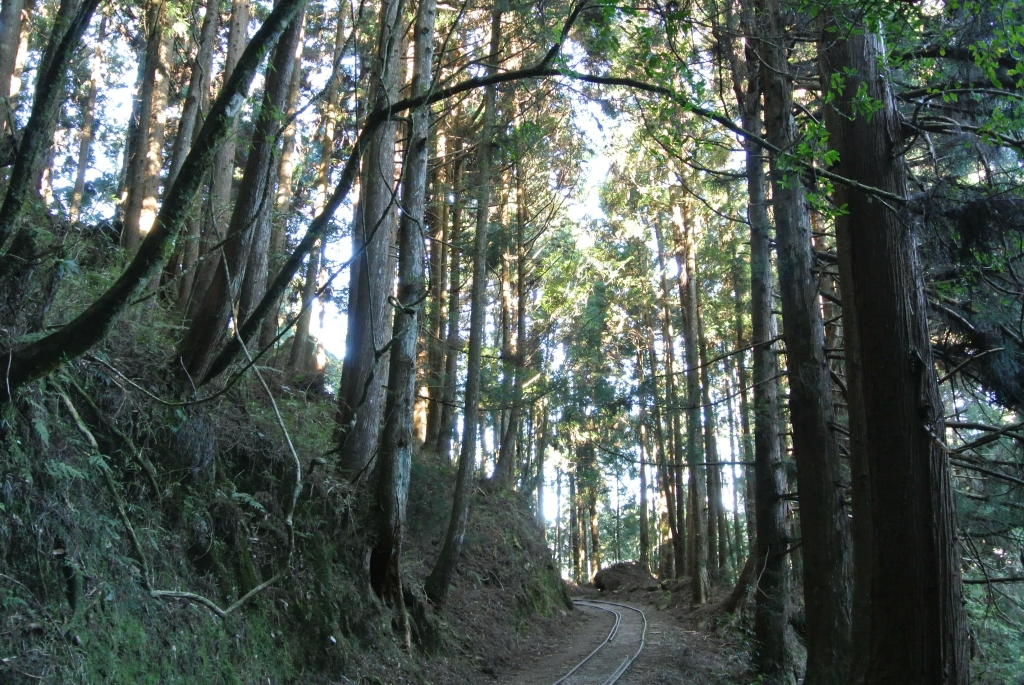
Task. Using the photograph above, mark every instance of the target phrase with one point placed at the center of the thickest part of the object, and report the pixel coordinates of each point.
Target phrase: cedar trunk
(361, 396)
(909, 613)
(824, 520)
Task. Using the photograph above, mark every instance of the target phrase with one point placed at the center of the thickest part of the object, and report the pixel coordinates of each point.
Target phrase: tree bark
(773, 660)
(824, 521)
(645, 532)
(446, 427)
(504, 474)
(303, 350)
(574, 530)
(198, 86)
(249, 226)
(283, 198)
(440, 578)
(686, 259)
(674, 438)
(909, 620)
(219, 212)
(717, 543)
(10, 40)
(438, 221)
(147, 155)
(361, 396)
(395, 460)
(677, 567)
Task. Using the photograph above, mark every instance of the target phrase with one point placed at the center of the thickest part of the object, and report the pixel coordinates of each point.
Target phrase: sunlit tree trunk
(302, 353)
(11, 20)
(669, 567)
(717, 542)
(645, 532)
(453, 345)
(147, 158)
(439, 222)
(283, 197)
(361, 396)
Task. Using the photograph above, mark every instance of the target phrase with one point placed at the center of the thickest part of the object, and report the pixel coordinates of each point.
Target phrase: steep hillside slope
(131, 527)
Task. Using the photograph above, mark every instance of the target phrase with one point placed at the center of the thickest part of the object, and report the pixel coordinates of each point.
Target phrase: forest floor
(698, 646)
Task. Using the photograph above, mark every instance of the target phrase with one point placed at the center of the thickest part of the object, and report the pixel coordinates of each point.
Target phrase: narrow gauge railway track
(613, 657)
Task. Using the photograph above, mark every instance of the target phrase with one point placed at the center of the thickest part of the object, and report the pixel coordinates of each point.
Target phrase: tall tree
(440, 578)
(686, 260)
(909, 617)
(248, 229)
(218, 212)
(87, 129)
(146, 157)
(824, 522)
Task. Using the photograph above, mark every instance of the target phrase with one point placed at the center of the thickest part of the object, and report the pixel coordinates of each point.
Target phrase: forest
(333, 331)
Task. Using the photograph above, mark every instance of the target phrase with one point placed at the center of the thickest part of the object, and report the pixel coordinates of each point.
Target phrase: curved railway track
(612, 658)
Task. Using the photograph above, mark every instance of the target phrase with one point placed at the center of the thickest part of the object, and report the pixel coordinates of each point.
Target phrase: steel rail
(628, 661)
(611, 636)
(624, 666)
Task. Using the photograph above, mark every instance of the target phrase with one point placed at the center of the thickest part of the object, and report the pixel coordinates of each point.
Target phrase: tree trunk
(13, 17)
(441, 575)
(910, 623)
(283, 197)
(686, 257)
(574, 530)
(645, 533)
(196, 104)
(674, 441)
(17, 268)
(147, 156)
(773, 659)
(446, 423)
(595, 543)
(198, 86)
(395, 460)
(361, 396)
(303, 350)
(824, 522)
(542, 447)
(438, 221)
(249, 225)
(10, 40)
(677, 567)
(717, 543)
(504, 476)
(219, 211)
(87, 128)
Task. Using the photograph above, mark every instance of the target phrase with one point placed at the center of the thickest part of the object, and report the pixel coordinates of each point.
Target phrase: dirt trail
(679, 647)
